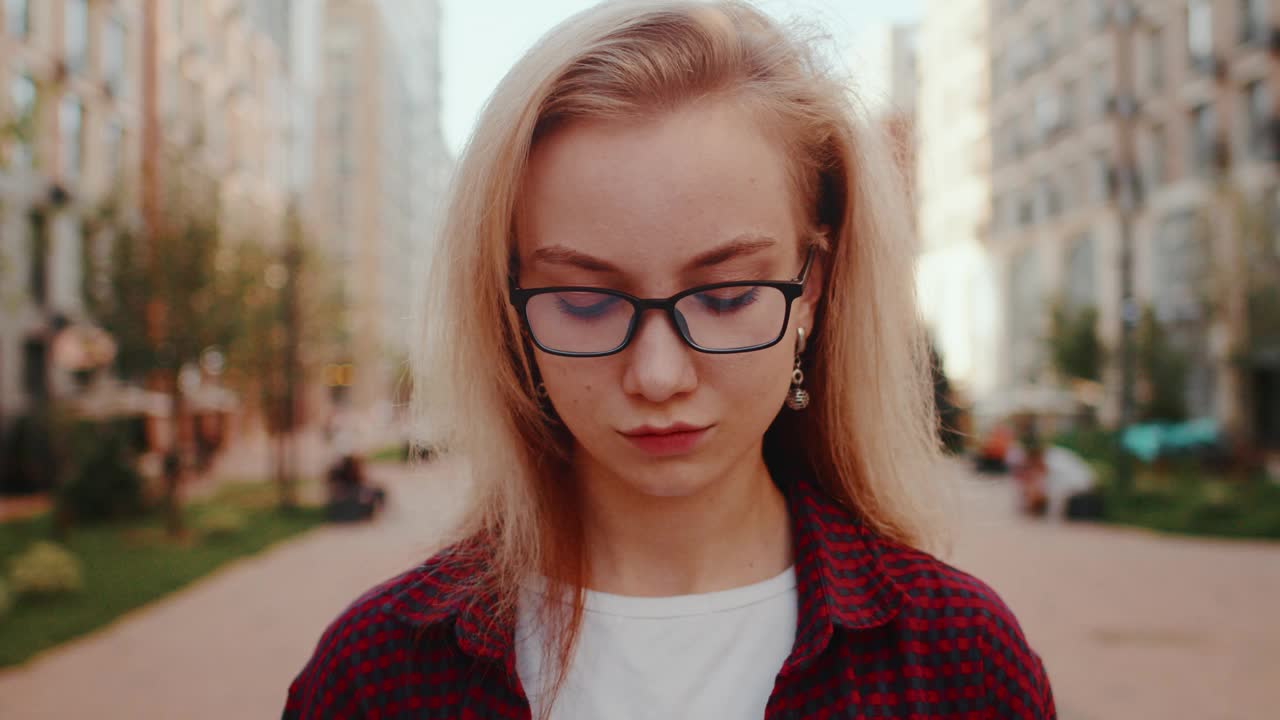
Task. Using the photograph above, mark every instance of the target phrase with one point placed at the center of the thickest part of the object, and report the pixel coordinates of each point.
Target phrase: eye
(727, 300)
(586, 305)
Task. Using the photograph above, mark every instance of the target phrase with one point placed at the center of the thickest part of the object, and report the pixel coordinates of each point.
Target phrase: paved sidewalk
(228, 646)
(1132, 625)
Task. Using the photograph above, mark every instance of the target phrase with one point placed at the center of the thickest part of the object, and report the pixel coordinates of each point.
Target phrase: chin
(669, 477)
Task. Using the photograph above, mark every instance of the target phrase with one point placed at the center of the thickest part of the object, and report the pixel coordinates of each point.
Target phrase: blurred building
(884, 62)
(222, 103)
(954, 191)
(1202, 83)
(377, 133)
(70, 139)
(416, 33)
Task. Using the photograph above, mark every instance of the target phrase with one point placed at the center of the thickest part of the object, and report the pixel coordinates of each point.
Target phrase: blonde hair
(869, 436)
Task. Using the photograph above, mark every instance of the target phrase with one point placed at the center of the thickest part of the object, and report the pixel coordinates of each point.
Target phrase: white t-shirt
(714, 655)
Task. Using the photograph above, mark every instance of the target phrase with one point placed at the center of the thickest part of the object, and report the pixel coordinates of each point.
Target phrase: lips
(665, 441)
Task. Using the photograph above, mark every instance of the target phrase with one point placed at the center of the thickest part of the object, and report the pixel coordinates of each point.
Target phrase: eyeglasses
(720, 318)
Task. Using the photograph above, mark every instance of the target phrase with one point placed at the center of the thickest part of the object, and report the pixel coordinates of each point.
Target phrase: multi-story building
(222, 100)
(1071, 84)
(884, 62)
(416, 34)
(79, 133)
(362, 179)
(71, 132)
(953, 187)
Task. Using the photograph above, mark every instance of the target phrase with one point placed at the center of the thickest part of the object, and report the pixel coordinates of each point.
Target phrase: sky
(484, 38)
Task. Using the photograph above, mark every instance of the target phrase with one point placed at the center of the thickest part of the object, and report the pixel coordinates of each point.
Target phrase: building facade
(71, 133)
(953, 186)
(1181, 91)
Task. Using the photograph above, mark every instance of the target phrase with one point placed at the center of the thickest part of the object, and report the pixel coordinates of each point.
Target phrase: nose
(659, 363)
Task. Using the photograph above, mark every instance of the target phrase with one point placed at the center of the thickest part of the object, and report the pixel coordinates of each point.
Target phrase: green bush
(1096, 445)
(102, 482)
(28, 457)
(221, 522)
(46, 568)
(6, 599)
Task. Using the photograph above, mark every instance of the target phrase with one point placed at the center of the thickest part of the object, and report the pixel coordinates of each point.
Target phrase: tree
(291, 322)
(1074, 347)
(167, 297)
(1163, 372)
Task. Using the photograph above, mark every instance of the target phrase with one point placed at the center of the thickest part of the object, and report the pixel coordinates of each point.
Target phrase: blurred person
(1066, 476)
(351, 495)
(669, 223)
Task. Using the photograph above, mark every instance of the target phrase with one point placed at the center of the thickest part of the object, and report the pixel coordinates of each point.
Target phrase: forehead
(651, 195)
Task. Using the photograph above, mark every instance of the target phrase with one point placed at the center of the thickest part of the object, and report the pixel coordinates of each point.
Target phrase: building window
(22, 93)
(38, 237)
(1098, 12)
(1026, 211)
(1024, 314)
(1101, 89)
(77, 32)
(1070, 187)
(1155, 59)
(1200, 31)
(997, 73)
(1253, 21)
(1157, 168)
(1081, 290)
(35, 379)
(71, 135)
(1048, 111)
(1258, 103)
(17, 18)
(113, 60)
(1067, 106)
(1179, 264)
(114, 150)
(1043, 51)
(1203, 128)
(1100, 178)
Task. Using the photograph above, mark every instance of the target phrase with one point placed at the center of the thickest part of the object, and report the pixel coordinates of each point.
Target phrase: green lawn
(127, 565)
(1179, 496)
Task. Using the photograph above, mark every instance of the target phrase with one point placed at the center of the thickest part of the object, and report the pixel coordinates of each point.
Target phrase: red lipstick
(668, 440)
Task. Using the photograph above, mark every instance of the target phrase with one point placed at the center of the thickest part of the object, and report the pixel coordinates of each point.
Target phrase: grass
(1187, 502)
(388, 454)
(1179, 496)
(129, 564)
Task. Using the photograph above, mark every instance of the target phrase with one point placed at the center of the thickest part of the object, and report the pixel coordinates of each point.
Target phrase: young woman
(674, 339)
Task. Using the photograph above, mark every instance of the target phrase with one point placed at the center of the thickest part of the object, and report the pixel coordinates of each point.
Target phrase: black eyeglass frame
(791, 289)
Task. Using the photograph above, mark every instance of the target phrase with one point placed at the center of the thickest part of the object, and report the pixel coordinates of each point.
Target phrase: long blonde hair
(869, 437)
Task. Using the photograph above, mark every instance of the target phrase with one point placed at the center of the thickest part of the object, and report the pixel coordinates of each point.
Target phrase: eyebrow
(745, 244)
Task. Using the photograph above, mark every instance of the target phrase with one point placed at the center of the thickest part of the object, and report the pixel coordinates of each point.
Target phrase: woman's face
(696, 196)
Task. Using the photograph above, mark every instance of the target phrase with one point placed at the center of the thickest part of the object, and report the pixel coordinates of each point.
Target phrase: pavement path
(227, 646)
(1132, 625)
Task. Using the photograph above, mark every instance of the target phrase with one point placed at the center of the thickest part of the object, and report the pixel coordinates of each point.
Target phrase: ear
(806, 306)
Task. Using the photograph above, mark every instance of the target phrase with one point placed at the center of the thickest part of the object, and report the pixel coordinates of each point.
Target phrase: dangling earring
(542, 391)
(798, 398)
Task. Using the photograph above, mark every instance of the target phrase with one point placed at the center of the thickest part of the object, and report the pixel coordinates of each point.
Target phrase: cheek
(572, 383)
(753, 379)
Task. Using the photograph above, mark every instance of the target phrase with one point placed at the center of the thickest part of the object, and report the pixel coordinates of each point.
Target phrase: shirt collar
(841, 582)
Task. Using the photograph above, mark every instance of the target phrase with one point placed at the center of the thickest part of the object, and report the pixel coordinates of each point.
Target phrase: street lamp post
(1127, 197)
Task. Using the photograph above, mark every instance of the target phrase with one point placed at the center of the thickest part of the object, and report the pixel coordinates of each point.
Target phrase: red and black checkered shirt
(884, 631)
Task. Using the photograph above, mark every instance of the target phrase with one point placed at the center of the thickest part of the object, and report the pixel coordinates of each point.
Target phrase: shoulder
(958, 613)
(369, 641)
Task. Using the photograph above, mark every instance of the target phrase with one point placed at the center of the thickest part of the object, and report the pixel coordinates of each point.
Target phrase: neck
(733, 531)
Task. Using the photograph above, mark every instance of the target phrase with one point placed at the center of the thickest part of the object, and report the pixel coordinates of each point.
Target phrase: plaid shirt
(884, 631)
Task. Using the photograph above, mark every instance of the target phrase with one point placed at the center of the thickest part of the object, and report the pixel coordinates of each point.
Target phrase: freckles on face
(651, 208)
